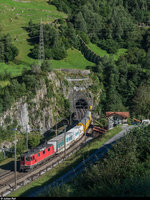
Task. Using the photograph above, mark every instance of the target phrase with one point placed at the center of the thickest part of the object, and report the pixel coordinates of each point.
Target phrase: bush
(34, 139)
(110, 45)
(59, 53)
(45, 67)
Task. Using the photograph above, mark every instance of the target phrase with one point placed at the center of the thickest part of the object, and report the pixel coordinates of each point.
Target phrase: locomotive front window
(38, 154)
(48, 149)
(29, 159)
(43, 152)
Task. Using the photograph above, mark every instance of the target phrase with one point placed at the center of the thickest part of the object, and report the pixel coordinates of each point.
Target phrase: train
(39, 154)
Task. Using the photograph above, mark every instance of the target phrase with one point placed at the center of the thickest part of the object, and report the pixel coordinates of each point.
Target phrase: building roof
(122, 114)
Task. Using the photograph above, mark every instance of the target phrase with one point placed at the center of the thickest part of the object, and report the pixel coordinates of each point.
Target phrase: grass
(66, 165)
(120, 52)
(74, 60)
(16, 14)
(4, 83)
(14, 70)
(100, 52)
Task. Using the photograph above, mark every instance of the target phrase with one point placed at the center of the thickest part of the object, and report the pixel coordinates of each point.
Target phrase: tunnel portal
(81, 104)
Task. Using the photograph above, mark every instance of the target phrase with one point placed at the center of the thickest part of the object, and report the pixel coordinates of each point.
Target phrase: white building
(115, 118)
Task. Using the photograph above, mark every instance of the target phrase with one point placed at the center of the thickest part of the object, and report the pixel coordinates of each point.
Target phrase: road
(120, 134)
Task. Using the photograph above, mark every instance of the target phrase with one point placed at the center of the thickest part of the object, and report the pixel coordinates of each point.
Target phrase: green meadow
(16, 14)
(74, 60)
(13, 69)
(100, 52)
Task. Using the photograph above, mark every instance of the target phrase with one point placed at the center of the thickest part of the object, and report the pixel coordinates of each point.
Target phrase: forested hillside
(111, 26)
(111, 38)
(114, 26)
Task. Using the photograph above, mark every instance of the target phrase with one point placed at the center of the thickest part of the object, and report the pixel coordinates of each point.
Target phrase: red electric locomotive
(36, 156)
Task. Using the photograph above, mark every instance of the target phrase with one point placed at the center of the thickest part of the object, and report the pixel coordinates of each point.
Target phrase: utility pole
(15, 161)
(56, 125)
(41, 55)
(65, 142)
(70, 118)
(26, 138)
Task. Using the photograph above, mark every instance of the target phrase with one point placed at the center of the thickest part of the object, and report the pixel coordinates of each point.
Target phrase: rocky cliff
(51, 101)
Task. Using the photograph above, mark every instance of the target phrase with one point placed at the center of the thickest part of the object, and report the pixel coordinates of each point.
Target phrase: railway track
(7, 183)
(4, 177)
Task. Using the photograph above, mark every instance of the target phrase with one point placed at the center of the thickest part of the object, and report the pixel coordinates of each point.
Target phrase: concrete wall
(115, 120)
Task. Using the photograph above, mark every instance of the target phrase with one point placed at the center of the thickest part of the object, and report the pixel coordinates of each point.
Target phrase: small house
(115, 118)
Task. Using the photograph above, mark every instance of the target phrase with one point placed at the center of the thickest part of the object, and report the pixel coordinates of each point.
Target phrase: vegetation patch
(4, 83)
(14, 17)
(74, 60)
(12, 69)
(100, 52)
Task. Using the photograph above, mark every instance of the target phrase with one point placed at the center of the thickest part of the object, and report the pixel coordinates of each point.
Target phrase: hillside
(102, 36)
(110, 38)
(15, 16)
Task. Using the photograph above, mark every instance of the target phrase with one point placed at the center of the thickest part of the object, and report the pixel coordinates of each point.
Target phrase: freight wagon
(54, 146)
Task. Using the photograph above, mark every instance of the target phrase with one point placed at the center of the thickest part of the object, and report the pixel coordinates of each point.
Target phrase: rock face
(24, 117)
(40, 112)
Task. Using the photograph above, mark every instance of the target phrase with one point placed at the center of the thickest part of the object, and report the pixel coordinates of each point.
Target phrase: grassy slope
(103, 53)
(74, 60)
(14, 15)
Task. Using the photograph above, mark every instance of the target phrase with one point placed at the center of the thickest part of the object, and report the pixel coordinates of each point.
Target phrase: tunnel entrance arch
(81, 104)
(80, 100)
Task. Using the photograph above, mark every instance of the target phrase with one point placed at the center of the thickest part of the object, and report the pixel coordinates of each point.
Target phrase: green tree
(147, 60)
(45, 67)
(34, 139)
(142, 101)
(80, 23)
(7, 49)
